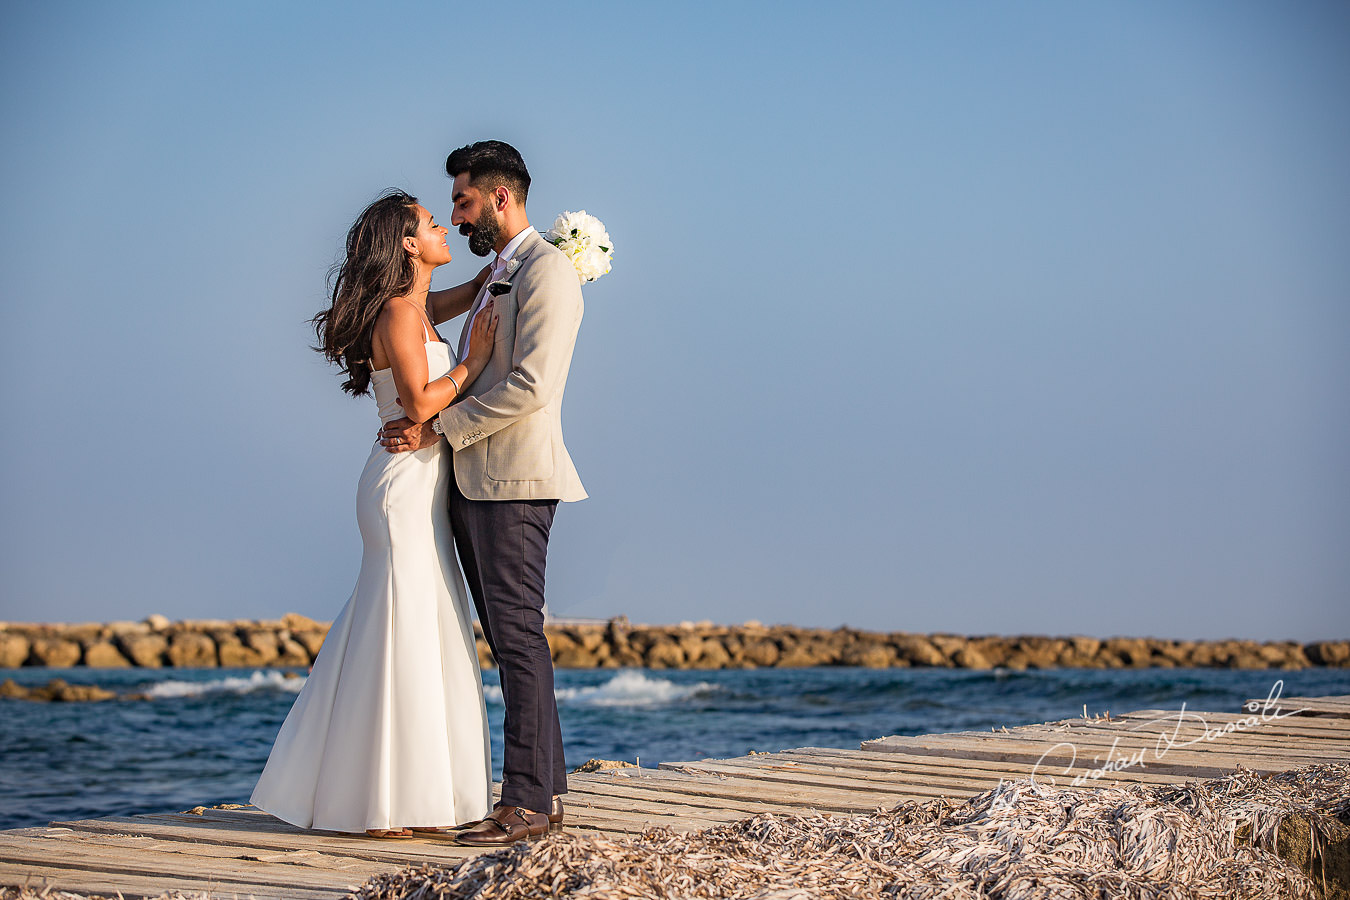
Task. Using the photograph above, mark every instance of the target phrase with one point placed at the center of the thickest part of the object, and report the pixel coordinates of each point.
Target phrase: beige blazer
(507, 430)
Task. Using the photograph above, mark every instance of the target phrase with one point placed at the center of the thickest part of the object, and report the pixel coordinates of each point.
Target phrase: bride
(389, 732)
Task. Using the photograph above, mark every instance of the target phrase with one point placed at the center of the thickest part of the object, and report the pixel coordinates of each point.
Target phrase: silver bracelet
(454, 382)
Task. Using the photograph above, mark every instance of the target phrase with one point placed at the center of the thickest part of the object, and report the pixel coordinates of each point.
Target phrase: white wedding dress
(390, 729)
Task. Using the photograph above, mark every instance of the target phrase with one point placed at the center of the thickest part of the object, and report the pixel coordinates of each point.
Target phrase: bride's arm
(400, 332)
(456, 301)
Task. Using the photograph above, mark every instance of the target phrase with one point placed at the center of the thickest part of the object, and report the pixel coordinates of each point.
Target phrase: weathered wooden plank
(1173, 739)
(122, 842)
(809, 776)
(247, 836)
(1230, 752)
(227, 875)
(673, 781)
(919, 767)
(1216, 732)
(1061, 754)
(133, 887)
(952, 783)
(623, 788)
(1333, 706)
(1293, 725)
(865, 795)
(600, 820)
(956, 781)
(603, 801)
(1289, 728)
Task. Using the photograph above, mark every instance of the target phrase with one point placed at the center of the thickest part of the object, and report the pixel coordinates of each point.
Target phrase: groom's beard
(482, 234)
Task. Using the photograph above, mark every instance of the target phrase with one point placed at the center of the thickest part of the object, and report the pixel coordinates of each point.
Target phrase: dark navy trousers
(503, 546)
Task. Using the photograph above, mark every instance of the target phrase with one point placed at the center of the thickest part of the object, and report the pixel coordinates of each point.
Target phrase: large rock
(1085, 646)
(692, 645)
(156, 622)
(919, 651)
(112, 629)
(712, 655)
(264, 642)
(206, 626)
(103, 655)
(592, 638)
(14, 649)
(869, 655)
(234, 654)
(559, 641)
(1283, 655)
(760, 652)
(82, 633)
(54, 653)
(292, 654)
(192, 650)
(1169, 654)
(1329, 653)
(145, 650)
(297, 622)
(626, 657)
(568, 653)
(310, 640)
(665, 654)
(617, 630)
(56, 690)
(972, 657)
(1134, 653)
(1202, 654)
(1040, 652)
(803, 656)
(59, 691)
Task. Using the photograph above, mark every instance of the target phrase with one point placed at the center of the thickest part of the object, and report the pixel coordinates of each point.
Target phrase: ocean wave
(258, 681)
(628, 688)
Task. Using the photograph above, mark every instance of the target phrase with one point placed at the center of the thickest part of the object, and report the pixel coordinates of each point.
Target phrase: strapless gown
(390, 729)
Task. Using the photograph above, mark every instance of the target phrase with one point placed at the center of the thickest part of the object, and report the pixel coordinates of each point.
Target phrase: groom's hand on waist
(404, 434)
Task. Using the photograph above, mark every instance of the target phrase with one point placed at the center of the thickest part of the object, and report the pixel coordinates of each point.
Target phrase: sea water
(203, 735)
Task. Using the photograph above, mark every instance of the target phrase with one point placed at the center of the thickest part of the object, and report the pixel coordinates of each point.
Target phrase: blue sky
(982, 318)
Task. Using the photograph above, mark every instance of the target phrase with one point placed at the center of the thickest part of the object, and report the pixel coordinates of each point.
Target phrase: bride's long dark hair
(377, 267)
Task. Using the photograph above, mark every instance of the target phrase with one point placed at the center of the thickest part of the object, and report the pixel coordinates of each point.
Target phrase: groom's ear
(501, 197)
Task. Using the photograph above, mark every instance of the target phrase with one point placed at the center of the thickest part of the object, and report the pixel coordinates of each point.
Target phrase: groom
(511, 469)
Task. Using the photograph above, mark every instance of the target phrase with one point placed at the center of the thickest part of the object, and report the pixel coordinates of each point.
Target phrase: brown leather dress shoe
(505, 825)
(555, 814)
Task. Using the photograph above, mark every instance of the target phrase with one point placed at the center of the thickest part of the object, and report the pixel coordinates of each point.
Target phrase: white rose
(584, 239)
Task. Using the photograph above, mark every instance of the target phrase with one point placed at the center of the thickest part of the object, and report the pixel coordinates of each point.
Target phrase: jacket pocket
(520, 454)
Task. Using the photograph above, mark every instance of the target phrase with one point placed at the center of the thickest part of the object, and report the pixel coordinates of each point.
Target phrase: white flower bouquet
(585, 241)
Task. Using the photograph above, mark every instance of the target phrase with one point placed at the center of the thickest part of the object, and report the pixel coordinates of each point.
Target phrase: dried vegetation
(1021, 841)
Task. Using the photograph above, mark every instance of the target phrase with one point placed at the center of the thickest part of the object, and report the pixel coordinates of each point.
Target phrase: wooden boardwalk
(230, 853)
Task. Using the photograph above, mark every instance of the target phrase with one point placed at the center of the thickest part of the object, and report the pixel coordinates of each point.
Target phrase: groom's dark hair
(491, 164)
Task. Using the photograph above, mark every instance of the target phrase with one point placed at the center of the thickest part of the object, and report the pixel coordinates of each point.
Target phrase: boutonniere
(511, 266)
(497, 288)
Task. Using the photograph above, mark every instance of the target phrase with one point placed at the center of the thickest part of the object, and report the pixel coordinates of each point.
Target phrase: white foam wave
(258, 681)
(627, 688)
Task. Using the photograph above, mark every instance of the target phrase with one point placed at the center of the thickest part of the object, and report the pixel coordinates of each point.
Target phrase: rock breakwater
(294, 640)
